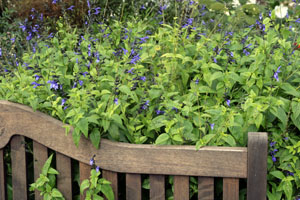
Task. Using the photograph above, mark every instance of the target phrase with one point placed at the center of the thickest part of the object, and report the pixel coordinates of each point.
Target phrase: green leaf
(114, 132)
(47, 165)
(229, 140)
(97, 197)
(84, 185)
(52, 171)
(278, 174)
(93, 118)
(108, 192)
(83, 125)
(162, 139)
(280, 114)
(288, 189)
(288, 89)
(76, 136)
(95, 137)
(157, 122)
(56, 193)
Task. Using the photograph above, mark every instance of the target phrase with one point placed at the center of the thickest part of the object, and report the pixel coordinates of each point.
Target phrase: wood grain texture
(257, 166)
(230, 189)
(122, 157)
(84, 173)
(181, 188)
(205, 188)
(133, 187)
(113, 178)
(18, 165)
(2, 176)
(157, 187)
(40, 156)
(64, 179)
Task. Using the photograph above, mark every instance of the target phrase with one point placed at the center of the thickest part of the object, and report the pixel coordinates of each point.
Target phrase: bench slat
(18, 165)
(230, 189)
(2, 176)
(133, 187)
(40, 156)
(84, 173)
(64, 179)
(205, 188)
(257, 166)
(113, 178)
(157, 187)
(181, 188)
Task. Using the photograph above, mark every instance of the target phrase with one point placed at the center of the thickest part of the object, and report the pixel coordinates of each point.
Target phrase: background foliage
(180, 72)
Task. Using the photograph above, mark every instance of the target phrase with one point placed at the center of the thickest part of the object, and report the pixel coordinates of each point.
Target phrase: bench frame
(231, 163)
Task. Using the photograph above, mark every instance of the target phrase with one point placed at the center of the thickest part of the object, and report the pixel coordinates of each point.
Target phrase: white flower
(251, 2)
(281, 11)
(235, 3)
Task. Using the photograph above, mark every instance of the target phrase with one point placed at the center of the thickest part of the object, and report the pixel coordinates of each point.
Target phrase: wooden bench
(230, 163)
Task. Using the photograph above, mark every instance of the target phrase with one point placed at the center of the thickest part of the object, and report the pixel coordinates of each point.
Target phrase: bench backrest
(230, 163)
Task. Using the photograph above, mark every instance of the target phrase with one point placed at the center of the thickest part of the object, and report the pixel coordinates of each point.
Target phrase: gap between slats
(230, 189)
(18, 164)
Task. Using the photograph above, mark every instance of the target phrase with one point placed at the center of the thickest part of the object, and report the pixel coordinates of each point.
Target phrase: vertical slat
(113, 178)
(84, 173)
(257, 166)
(2, 176)
(205, 188)
(181, 188)
(157, 187)
(40, 155)
(230, 189)
(18, 165)
(64, 179)
(133, 187)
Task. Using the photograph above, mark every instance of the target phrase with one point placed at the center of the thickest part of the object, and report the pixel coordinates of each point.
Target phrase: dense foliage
(207, 76)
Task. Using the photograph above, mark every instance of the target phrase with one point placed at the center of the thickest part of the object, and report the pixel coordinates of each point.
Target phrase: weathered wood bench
(230, 163)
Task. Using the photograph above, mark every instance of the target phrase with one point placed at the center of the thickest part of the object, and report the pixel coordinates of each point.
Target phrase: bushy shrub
(205, 78)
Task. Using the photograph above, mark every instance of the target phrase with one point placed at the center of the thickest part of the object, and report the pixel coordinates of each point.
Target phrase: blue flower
(97, 10)
(228, 102)
(212, 126)
(23, 27)
(143, 78)
(29, 37)
(80, 82)
(53, 85)
(135, 59)
(41, 17)
(297, 20)
(273, 158)
(176, 110)
(37, 77)
(70, 8)
(13, 40)
(116, 101)
(54, 1)
(92, 161)
(145, 105)
(197, 81)
(272, 144)
(0, 52)
(159, 112)
(276, 73)
(97, 169)
(125, 51)
(130, 71)
(143, 39)
(35, 84)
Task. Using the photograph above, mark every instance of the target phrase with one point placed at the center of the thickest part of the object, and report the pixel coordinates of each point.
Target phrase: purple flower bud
(70, 8)
(116, 101)
(212, 126)
(92, 161)
(273, 159)
(97, 169)
(143, 78)
(228, 102)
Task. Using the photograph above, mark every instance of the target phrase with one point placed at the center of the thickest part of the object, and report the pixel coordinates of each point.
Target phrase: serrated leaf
(84, 185)
(56, 193)
(288, 89)
(52, 171)
(93, 118)
(95, 137)
(47, 165)
(83, 125)
(108, 192)
(278, 174)
(229, 140)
